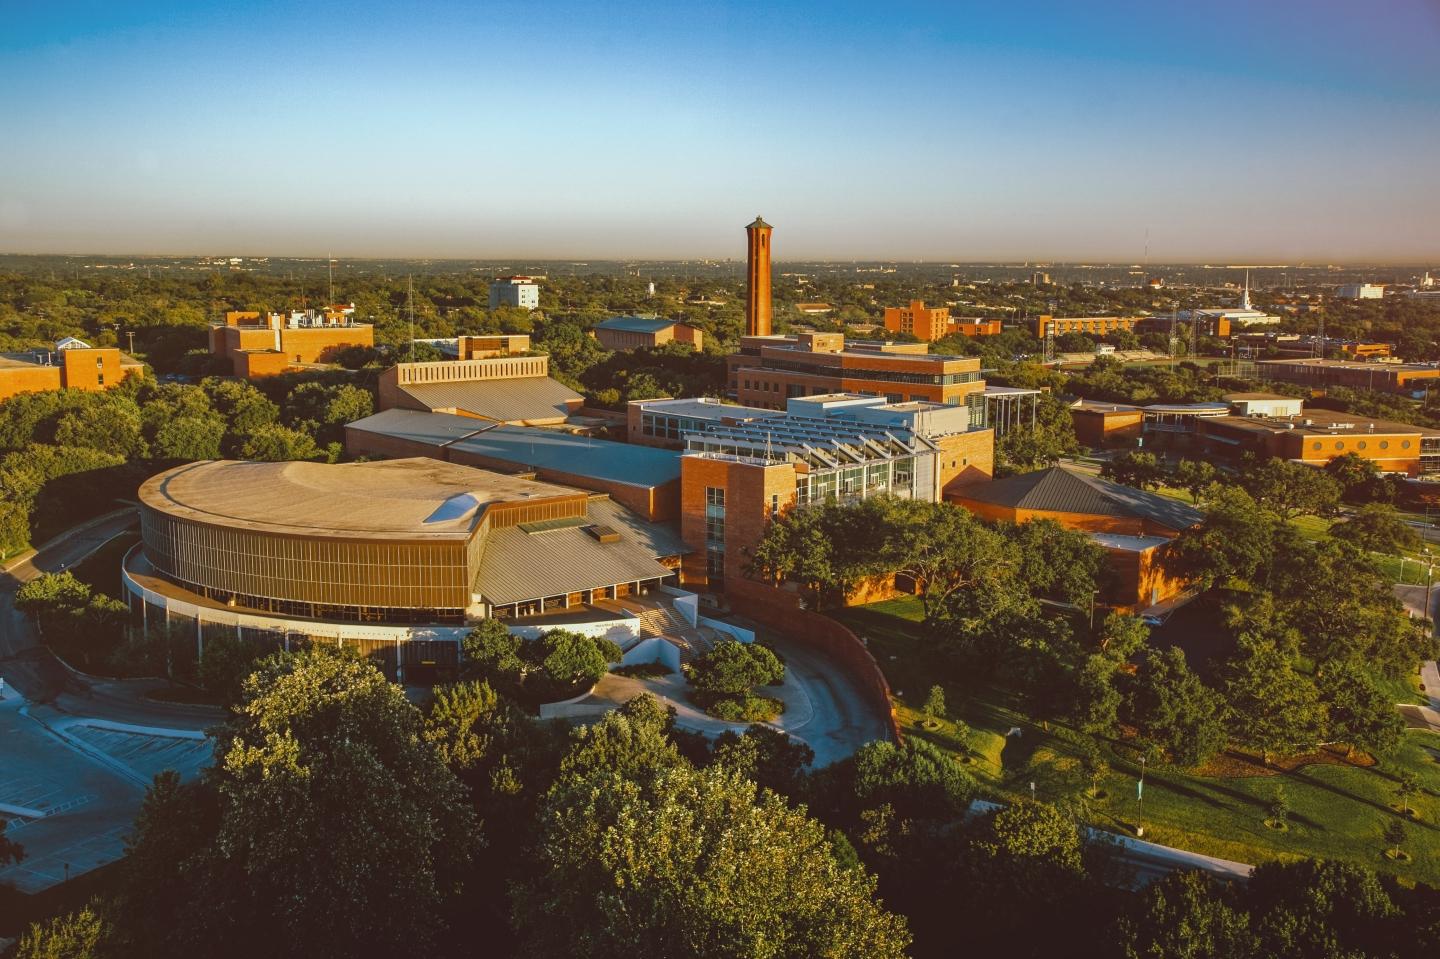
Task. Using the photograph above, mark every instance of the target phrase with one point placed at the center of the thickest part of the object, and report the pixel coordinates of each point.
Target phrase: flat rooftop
(1355, 365)
(521, 564)
(507, 400)
(1323, 423)
(703, 408)
(407, 499)
(528, 447)
(1095, 406)
(1236, 397)
(29, 360)
(636, 324)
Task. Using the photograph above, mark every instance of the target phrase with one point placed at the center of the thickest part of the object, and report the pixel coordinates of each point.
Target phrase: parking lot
(70, 788)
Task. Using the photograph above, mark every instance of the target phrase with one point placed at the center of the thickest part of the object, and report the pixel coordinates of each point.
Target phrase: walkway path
(1422, 717)
(1150, 861)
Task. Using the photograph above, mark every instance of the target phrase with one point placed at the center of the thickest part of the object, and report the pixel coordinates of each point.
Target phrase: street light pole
(1139, 797)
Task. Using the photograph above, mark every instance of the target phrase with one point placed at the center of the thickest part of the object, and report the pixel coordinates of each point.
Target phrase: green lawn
(1337, 811)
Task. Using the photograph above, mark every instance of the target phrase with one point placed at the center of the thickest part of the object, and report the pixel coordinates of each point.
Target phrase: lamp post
(1429, 581)
(1139, 797)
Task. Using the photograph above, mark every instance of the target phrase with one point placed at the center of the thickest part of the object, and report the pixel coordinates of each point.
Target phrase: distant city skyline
(1043, 131)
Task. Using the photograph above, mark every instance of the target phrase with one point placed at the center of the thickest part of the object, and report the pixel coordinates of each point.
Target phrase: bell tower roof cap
(759, 224)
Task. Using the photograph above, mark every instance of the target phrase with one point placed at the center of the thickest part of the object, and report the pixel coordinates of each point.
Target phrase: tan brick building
(1317, 436)
(919, 320)
(638, 332)
(1352, 374)
(768, 370)
(265, 346)
(503, 389)
(73, 364)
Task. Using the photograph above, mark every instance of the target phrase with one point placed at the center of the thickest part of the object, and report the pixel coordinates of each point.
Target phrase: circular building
(407, 550)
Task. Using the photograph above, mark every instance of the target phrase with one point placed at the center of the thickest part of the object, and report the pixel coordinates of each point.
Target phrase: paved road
(1414, 599)
(822, 705)
(29, 668)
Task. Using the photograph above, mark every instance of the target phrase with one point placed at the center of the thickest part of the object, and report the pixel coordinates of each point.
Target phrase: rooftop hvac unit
(605, 534)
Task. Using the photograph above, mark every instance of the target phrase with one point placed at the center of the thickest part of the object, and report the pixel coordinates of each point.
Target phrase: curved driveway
(823, 707)
(37, 675)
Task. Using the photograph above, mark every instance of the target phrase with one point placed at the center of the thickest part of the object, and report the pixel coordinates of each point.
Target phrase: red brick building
(1134, 527)
(758, 308)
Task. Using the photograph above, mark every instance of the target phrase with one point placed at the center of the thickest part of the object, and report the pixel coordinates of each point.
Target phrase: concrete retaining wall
(622, 630)
(653, 650)
(735, 632)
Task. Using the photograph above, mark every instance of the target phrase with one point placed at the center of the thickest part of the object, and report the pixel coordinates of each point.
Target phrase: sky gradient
(1273, 131)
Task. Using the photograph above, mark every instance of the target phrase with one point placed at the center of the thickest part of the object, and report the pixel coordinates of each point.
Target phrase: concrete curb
(109, 762)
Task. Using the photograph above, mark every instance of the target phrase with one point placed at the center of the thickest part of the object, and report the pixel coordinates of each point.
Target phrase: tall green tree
(1275, 710)
(1292, 489)
(1377, 527)
(671, 864)
(1135, 468)
(322, 754)
(1174, 710)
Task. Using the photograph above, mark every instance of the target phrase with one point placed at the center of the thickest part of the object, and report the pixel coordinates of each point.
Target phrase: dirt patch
(1233, 764)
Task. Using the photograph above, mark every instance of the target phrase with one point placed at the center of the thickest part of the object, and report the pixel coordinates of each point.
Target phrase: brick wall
(252, 364)
(95, 369)
(1096, 429)
(320, 344)
(779, 610)
(37, 379)
(966, 458)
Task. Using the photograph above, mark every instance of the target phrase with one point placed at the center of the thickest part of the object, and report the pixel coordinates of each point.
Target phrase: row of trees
(64, 452)
(1286, 488)
(1312, 626)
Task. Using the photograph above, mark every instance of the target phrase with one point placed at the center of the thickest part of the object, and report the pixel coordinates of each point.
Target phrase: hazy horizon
(1300, 132)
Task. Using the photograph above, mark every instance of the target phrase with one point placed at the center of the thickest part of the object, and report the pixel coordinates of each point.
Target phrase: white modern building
(521, 291)
(1360, 291)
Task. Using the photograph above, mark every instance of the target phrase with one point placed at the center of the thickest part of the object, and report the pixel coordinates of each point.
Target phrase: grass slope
(1337, 811)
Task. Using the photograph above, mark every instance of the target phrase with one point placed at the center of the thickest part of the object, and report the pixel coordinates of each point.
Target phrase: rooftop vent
(605, 534)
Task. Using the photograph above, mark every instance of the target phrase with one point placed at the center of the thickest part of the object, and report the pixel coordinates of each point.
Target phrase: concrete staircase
(659, 618)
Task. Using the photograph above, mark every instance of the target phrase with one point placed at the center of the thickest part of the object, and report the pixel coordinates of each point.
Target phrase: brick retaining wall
(780, 610)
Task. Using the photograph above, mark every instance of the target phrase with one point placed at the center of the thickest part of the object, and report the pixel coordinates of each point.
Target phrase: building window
(1384, 444)
(1339, 444)
(1404, 444)
(1316, 445)
(774, 505)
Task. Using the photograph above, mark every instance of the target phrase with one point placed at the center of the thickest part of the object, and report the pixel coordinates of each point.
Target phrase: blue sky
(1270, 131)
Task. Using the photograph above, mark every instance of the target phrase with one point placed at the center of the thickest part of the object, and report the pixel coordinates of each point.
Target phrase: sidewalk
(1149, 857)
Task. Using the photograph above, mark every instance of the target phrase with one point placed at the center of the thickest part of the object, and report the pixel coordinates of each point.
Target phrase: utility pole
(410, 302)
(131, 335)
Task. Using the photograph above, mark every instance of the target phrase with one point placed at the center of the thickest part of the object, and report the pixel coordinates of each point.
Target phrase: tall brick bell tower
(757, 279)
